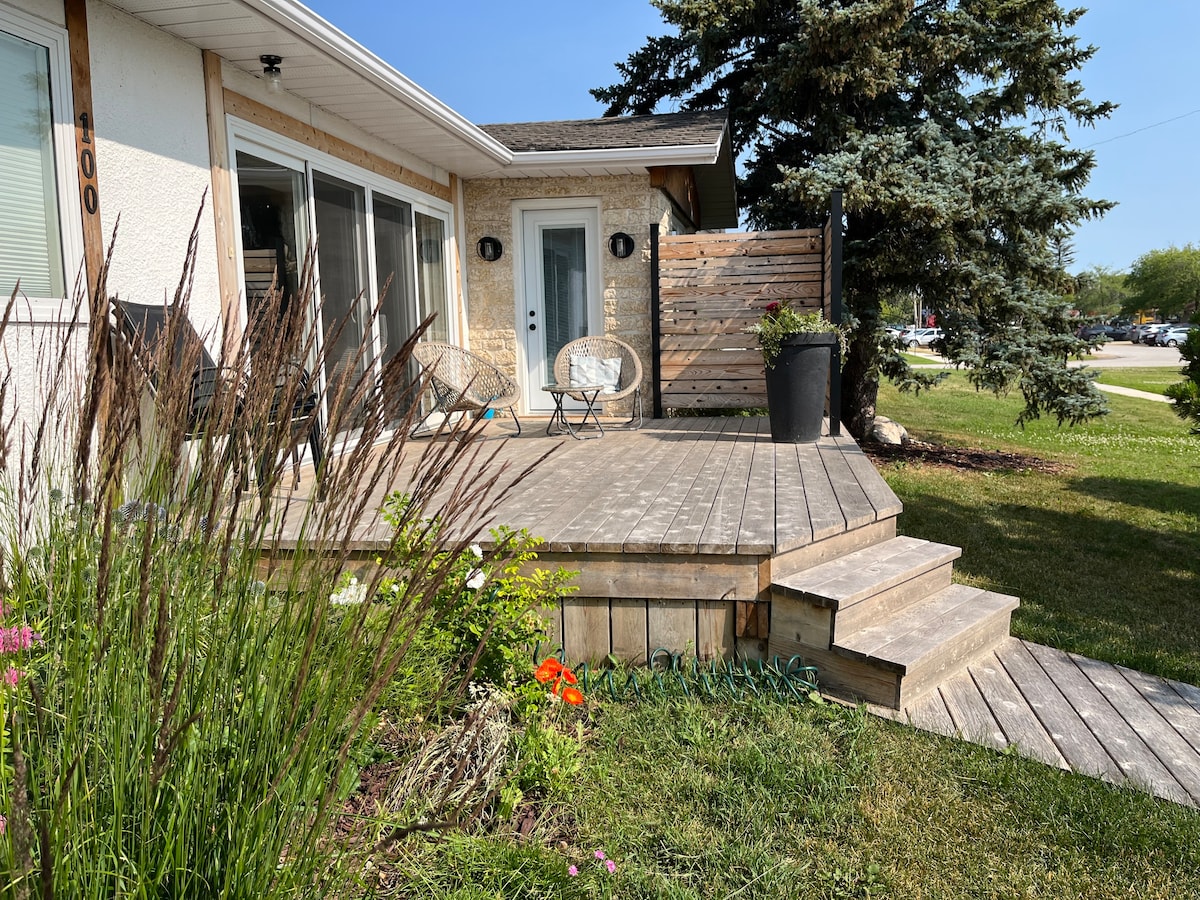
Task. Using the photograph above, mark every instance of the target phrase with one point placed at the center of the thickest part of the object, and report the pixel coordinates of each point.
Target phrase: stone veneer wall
(627, 203)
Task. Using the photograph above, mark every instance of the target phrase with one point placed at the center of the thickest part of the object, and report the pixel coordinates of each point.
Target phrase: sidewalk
(1131, 392)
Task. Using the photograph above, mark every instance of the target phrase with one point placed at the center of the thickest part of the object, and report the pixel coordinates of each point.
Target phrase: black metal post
(835, 309)
(655, 325)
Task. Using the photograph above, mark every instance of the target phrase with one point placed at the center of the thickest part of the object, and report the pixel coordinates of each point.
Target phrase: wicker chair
(604, 347)
(464, 382)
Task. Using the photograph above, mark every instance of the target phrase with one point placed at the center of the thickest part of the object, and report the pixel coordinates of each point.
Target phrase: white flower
(352, 593)
(476, 579)
(476, 550)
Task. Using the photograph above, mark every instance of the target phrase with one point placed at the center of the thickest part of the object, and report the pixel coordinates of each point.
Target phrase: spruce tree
(945, 124)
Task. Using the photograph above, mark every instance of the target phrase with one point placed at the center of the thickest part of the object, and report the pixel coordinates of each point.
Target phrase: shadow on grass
(1089, 584)
(1164, 497)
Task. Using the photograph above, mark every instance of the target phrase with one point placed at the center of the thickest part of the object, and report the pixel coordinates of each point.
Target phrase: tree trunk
(860, 384)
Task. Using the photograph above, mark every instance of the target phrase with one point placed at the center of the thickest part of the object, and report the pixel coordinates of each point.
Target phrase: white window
(40, 230)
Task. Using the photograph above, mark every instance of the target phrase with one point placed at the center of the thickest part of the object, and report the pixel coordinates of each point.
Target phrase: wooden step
(933, 639)
(871, 584)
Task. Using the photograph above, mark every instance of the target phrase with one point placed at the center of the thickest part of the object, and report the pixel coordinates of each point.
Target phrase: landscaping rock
(885, 431)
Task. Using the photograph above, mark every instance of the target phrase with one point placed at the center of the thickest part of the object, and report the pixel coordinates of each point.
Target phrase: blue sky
(531, 60)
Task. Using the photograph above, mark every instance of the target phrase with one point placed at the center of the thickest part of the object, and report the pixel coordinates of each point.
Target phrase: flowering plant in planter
(781, 320)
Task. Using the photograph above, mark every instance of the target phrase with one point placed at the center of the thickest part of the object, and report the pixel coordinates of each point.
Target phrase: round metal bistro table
(559, 420)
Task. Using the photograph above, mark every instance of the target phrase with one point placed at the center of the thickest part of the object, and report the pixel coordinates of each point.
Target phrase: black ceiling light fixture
(620, 245)
(490, 249)
(271, 72)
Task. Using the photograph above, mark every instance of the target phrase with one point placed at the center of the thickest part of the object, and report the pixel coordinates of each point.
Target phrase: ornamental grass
(178, 718)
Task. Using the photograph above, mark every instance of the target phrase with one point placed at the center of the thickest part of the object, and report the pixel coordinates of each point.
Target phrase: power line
(1143, 128)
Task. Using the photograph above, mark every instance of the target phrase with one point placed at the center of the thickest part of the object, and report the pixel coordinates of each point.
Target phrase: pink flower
(610, 865)
(12, 676)
(3, 824)
(599, 854)
(572, 871)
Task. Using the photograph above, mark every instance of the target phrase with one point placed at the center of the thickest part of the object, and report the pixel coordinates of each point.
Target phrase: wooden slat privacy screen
(710, 287)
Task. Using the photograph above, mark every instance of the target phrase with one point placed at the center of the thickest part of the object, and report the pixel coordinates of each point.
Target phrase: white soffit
(329, 69)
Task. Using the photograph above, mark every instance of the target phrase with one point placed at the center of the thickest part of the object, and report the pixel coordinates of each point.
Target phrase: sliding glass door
(381, 263)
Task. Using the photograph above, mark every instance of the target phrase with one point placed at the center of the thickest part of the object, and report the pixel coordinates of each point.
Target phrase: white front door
(560, 298)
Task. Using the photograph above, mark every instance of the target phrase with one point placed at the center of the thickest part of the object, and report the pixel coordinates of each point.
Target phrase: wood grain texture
(711, 288)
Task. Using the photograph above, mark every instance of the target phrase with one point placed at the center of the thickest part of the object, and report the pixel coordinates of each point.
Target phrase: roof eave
(681, 155)
(310, 28)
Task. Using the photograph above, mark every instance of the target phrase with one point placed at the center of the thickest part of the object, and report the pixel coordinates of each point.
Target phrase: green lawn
(1105, 556)
(753, 799)
(1154, 379)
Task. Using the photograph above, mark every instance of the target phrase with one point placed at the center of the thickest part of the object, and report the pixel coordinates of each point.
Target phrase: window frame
(262, 142)
(56, 310)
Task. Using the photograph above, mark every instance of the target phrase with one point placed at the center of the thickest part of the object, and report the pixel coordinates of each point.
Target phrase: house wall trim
(264, 116)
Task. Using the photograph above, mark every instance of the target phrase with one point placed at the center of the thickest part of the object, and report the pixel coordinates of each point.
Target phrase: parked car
(921, 337)
(1150, 334)
(1134, 334)
(1096, 332)
(1173, 336)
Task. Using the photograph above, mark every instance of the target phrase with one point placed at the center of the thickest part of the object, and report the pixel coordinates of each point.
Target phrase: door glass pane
(564, 283)
(431, 275)
(394, 273)
(341, 256)
(274, 238)
(29, 227)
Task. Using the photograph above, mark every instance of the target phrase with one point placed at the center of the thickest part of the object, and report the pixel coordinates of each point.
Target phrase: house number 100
(87, 165)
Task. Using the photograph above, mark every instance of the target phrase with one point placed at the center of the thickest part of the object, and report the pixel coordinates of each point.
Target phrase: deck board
(1018, 720)
(856, 507)
(1092, 717)
(652, 529)
(685, 531)
(824, 514)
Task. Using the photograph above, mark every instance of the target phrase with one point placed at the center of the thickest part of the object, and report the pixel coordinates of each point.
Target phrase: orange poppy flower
(572, 695)
(548, 670)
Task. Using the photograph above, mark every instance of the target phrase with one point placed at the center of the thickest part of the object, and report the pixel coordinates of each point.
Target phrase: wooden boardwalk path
(1078, 714)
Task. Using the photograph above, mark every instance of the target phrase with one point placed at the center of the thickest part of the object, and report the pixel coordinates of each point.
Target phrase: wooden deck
(1077, 714)
(708, 486)
(676, 528)
(686, 532)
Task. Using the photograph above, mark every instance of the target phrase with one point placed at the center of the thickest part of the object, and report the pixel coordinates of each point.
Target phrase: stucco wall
(152, 160)
(50, 11)
(627, 203)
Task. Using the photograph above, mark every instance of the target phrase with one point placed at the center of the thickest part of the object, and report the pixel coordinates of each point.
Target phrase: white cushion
(594, 370)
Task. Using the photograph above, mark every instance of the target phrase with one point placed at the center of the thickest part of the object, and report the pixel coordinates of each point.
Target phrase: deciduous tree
(944, 122)
(1166, 280)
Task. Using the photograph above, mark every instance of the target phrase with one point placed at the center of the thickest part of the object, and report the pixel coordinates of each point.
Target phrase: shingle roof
(699, 139)
(703, 128)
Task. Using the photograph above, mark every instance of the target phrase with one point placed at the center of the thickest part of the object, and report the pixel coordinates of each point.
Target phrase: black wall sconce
(490, 249)
(620, 245)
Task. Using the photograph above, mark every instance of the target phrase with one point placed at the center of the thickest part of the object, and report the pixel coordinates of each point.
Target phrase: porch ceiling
(328, 69)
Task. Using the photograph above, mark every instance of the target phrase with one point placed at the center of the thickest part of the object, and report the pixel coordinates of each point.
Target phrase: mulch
(968, 459)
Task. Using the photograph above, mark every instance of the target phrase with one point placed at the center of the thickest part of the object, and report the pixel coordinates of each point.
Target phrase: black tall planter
(796, 387)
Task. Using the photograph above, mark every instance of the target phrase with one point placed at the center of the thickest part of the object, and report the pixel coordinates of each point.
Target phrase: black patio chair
(294, 405)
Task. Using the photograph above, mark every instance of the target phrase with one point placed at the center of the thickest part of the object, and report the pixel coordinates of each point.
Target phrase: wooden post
(835, 309)
(655, 324)
(222, 194)
(85, 145)
(98, 398)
